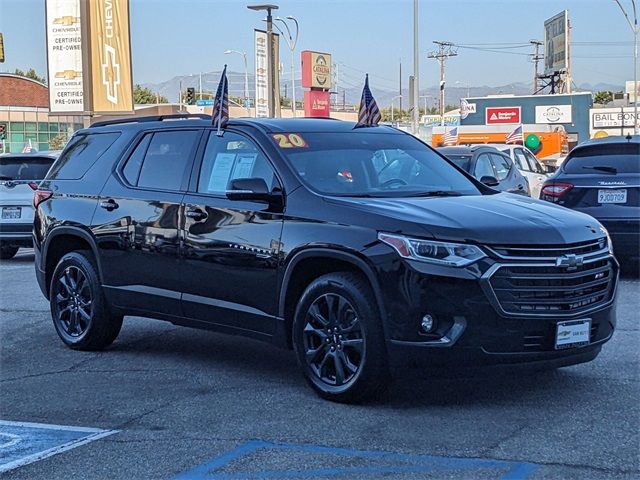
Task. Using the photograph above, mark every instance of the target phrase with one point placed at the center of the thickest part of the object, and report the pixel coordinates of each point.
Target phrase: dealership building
(571, 111)
(24, 111)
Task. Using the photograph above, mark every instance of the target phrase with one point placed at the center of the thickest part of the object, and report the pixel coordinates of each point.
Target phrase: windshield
(371, 164)
(24, 168)
(621, 158)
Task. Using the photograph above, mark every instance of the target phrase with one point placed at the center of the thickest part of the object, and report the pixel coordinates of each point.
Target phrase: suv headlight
(439, 253)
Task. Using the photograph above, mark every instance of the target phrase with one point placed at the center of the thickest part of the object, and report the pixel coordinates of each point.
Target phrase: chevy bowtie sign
(89, 56)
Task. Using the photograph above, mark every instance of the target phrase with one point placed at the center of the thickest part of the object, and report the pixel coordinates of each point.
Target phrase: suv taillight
(554, 191)
(40, 196)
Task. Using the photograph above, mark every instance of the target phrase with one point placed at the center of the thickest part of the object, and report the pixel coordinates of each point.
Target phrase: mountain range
(351, 95)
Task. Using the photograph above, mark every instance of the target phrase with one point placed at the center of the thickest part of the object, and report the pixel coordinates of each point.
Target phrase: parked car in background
(528, 164)
(492, 167)
(20, 174)
(601, 177)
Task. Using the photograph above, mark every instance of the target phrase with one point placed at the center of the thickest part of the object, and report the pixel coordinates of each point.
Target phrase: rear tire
(339, 340)
(8, 251)
(79, 309)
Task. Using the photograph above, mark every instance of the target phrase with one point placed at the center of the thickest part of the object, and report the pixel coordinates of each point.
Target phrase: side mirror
(254, 189)
(490, 181)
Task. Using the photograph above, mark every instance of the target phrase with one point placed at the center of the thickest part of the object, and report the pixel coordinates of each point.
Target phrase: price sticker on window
(289, 140)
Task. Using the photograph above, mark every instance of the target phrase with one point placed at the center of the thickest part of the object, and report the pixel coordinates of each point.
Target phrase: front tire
(8, 251)
(339, 340)
(79, 310)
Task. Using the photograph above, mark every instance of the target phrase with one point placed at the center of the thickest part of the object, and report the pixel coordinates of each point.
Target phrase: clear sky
(178, 37)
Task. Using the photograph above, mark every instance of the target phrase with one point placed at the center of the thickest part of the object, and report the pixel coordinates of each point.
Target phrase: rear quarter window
(625, 158)
(80, 155)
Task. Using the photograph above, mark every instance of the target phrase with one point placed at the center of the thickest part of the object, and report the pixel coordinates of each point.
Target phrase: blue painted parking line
(399, 463)
(22, 443)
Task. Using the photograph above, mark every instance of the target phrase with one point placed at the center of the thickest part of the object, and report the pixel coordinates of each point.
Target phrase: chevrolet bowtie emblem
(66, 20)
(111, 74)
(69, 74)
(570, 261)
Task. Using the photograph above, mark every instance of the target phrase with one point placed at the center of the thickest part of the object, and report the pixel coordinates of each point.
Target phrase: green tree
(144, 96)
(603, 97)
(58, 142)
(32, 74)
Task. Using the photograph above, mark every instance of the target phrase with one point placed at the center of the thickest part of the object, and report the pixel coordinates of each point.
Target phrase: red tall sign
(502, 115)
(316, 76)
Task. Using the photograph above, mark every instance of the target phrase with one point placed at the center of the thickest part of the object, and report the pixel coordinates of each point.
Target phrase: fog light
(427, 323)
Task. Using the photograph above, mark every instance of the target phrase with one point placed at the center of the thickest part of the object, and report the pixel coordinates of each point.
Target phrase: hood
(501, 219)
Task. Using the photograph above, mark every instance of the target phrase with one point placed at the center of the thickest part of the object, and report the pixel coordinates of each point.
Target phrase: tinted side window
(166, 160)
(483, 167)
(131, 170)
(81, 153)
(502, 166)
(230, 157)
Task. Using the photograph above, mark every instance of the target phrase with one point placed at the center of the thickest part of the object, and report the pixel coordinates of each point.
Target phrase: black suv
(361, 248)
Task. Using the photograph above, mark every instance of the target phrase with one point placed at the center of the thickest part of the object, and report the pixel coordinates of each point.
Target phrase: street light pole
(416, 69)
(634, 29)
(392, 100)
(291, 43)
(246, 78)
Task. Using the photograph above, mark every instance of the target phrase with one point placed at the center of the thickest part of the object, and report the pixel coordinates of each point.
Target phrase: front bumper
(474, 326)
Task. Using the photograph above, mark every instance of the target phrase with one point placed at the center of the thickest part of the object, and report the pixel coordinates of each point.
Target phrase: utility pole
(400, 89)
(445, 50)
(536, 59)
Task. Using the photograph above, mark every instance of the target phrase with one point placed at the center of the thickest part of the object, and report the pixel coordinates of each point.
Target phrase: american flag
(516, 136)
(220, 113)
(369, 113)
(28, 148)
(451, 137)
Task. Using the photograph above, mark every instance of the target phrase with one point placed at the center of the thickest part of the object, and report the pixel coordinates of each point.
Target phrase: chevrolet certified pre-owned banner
(64, 56)
(110, 56)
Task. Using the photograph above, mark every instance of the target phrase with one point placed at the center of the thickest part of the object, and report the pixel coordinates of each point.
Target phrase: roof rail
(154, 118)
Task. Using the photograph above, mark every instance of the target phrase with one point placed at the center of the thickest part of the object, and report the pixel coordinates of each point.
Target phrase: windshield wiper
(602, 168)
(437, 193)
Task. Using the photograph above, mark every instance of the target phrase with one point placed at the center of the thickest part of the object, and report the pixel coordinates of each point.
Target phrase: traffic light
(191, 96)
(3, 131)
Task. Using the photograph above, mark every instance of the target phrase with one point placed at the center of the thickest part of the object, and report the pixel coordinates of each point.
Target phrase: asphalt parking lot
(169, 402)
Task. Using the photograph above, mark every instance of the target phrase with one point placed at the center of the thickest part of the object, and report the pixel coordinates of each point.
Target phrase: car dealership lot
(210, 406)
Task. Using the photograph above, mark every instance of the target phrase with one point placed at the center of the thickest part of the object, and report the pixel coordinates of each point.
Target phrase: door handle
(109, 205)
(196, 214)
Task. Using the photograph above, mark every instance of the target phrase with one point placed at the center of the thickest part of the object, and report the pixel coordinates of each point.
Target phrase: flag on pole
(369, 113)
(28, 148)
(451, 137)
(220, 113)
(517, 136)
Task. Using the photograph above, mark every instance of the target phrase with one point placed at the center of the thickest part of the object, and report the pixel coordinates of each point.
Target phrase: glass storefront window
(53, 127)
(16, 137)
(30, 127)
(16, 126)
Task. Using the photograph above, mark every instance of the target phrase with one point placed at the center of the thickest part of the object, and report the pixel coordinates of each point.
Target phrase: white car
(20, 174)
(527, 163)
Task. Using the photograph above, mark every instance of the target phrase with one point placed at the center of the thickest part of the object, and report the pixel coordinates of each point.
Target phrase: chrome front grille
(540, 252)
(545, 289)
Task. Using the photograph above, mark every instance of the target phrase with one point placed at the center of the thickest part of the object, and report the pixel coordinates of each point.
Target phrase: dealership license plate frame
(603, 192)
(8, 210)
(570, 339)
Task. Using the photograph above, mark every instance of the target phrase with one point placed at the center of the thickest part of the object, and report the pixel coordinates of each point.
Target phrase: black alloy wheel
(73, 301)
(80, 313)
(339, 340)
(333, 340)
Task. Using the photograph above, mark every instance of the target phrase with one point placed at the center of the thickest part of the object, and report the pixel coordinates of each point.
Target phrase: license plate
(573, 334)
(612, 196)
(10, 213)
